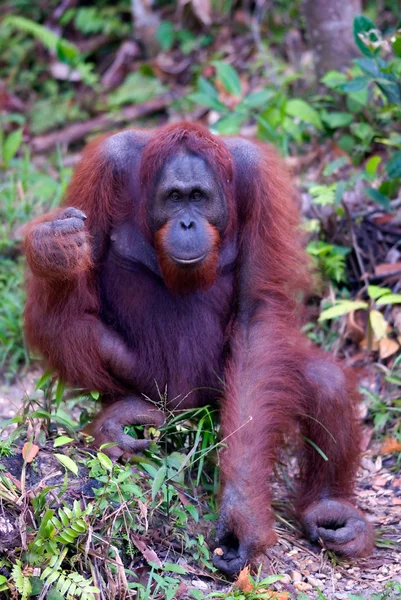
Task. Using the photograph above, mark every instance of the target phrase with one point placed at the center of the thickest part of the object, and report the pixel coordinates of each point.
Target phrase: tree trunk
(329, 29)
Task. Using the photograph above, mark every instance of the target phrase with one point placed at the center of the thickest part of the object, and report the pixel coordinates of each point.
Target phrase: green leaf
(363, 131)
(46, 377)
(59, 392)
(397, 45)
(229, 125)
(334, 165)
(174, 568)
(340, 190)
(206, 87)
(378, 324)
(372, 164)
(158, 480)
(228, 77)
(270, 579)
(11, 145)
(387, 82)
(258, 99)
(95, 395)
(375, 291)
(165, 35)
(355, 85)
(364, 28)
(105, 461)
(47, 517)
(66, 52)
(209, 101)
(393, 166)
(378, 197)
(337, 119)
(266, 131)
(68, 463)
(343, 307)
(62, 440)
(305, 112)
(333, 79)
(136, 89)
(193, 512)
(389, 299)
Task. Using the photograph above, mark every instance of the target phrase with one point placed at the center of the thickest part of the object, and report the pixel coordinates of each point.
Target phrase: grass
(25, 191)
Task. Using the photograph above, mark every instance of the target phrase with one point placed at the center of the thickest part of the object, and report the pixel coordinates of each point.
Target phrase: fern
(63, 527)
(70, 524)
(66, 51)
(21, 582)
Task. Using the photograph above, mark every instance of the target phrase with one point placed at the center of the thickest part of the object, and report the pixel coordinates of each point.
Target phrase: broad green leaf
(355, 85)
(229, 125)
(365, 29)
(337, 119)
(389, 299)
(175, 462)
(257, 99)
(387, 82)
(378, 324)
(209, 101)
(397, 45)
(372, 164)
(62, 440)
(393, 166)
(105, 461)
(193, 512)
(333, 79)
(305, 112)
(174, 568)
(375, 291)
(205, 87)
(378, 197)
(136, 89)
(165, 35)
(158, 480)
(68, 463)
(11, 145)
(266, 131)
(271, 579)
(340, 190)
(228, 76)
(67, 53)
(363, 131)
(343, 307)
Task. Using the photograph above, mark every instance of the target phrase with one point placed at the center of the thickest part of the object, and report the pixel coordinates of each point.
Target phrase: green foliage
(330, 259)
(21, 581)
(25, 191)
(168, 35)
(137, 88)
(65, 51)
(68, 585)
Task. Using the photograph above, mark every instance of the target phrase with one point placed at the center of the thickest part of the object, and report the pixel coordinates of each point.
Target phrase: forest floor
(305, 568)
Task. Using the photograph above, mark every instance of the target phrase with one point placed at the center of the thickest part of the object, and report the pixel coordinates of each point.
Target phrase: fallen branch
(77, 131)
